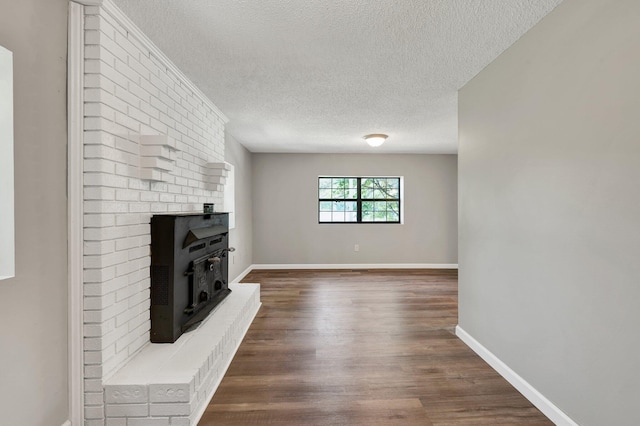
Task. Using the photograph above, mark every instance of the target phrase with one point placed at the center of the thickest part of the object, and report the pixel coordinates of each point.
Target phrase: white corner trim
(75, 113)
(67, 423)
(356, 266)
(117, 14)
(547, 407)
(243, 274)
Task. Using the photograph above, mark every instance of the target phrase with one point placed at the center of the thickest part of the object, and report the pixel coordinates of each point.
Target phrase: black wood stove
(189, 271)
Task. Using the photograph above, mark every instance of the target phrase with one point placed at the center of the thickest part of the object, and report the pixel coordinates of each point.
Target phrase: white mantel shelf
(172, 384)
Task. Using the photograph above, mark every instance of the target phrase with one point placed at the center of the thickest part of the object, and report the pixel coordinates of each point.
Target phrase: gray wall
(285, 211)
(33, 305)
(242, 236)
(549, 169)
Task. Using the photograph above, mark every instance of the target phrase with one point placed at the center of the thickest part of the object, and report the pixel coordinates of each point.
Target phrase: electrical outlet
(356, 247)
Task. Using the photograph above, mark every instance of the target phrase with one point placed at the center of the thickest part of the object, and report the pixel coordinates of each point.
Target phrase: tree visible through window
(359, 200)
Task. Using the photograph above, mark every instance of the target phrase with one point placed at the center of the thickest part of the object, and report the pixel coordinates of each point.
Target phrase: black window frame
(359, 200)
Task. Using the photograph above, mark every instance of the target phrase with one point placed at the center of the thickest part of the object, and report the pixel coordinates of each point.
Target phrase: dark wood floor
(361, 348)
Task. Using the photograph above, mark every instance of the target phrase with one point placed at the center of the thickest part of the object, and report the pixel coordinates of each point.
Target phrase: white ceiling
(317, 75)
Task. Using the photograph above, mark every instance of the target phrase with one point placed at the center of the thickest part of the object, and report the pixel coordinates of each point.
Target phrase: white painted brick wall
(130, 92)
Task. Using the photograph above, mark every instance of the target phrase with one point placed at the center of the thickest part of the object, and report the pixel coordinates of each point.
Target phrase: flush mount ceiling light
(375, 139)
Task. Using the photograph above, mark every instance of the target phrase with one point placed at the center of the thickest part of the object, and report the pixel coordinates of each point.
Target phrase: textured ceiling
(317, 75)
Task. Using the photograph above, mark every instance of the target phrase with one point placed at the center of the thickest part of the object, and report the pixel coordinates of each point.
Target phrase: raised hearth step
(172, 383)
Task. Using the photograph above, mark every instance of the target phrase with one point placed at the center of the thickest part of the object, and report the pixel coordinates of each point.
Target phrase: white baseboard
(67, 423)
(344, 266)
(243, 274)
(356, 266)
(547, 407)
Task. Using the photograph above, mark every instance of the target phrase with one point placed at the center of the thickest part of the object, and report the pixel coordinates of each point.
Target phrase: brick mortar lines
(130, 92)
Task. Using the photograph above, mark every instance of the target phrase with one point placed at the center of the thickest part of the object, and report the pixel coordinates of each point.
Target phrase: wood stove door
(205, 279)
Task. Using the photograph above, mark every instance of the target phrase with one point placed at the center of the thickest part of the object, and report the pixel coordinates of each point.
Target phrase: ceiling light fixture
(375, 139)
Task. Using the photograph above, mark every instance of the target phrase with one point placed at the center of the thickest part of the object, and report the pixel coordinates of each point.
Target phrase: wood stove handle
(217, 259)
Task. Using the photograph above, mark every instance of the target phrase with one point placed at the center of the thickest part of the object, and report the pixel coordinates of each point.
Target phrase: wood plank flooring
(361, 348)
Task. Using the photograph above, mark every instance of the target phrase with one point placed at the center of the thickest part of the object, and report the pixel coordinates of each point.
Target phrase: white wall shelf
(157, 157)
(215, 175)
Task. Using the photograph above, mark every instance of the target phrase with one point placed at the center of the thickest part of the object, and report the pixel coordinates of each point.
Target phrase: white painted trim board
(242, 274)
(75, 196)
(7, 165)
(547, 407)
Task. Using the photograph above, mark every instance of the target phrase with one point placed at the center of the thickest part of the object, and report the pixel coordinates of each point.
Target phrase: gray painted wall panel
(549, 165)
(285, 210)
(33, 305)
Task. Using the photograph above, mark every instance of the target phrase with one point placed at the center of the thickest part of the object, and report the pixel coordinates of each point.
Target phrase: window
(359, 199)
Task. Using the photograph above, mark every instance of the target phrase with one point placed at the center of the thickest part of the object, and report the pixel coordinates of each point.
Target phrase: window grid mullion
(359, 201)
